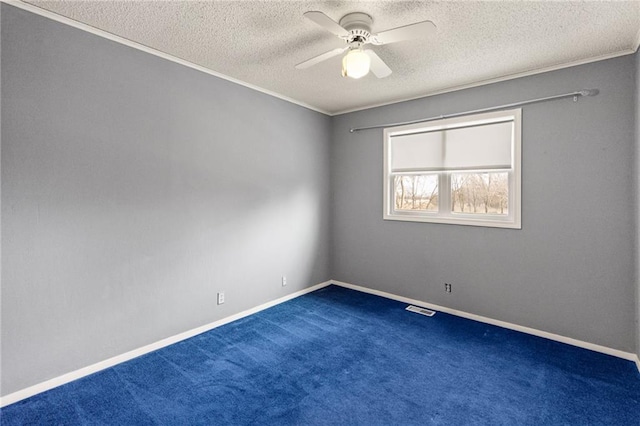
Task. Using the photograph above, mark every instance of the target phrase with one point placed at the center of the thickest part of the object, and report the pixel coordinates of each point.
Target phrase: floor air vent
(421, 311)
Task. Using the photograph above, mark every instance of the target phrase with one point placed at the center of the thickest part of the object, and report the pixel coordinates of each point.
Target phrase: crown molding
(109, 36)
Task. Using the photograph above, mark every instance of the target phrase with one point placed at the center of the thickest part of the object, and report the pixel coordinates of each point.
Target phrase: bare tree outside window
(416, 192)
(480, 193)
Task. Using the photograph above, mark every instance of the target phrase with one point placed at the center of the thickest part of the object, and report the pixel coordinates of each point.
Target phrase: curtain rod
(584, 92)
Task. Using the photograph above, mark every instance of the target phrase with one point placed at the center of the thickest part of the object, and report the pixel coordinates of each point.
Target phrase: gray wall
(133, 190)
(570, 270)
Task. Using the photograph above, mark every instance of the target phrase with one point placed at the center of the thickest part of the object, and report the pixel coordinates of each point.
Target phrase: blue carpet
(337, 356)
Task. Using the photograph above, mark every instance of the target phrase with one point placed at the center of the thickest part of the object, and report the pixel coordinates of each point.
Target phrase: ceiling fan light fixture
(356, 63)
(355, 29)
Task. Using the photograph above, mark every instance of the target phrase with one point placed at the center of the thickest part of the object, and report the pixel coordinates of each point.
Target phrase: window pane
(416, 192)
(480, 193)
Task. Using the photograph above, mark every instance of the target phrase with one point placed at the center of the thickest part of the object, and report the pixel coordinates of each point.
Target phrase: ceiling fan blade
(378, 67)
(327, 23)
(408, 32)
(330, 54)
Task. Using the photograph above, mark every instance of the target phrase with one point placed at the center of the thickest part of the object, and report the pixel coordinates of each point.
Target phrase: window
(463, 170)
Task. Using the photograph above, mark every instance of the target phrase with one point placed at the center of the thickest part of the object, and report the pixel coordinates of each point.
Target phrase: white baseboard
(94, 368)
(558, 338)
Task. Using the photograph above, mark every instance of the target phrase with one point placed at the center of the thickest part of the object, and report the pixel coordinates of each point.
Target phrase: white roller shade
(418, 151)
(486, 146)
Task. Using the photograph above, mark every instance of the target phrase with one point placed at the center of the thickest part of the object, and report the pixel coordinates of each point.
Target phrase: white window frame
(444, 214)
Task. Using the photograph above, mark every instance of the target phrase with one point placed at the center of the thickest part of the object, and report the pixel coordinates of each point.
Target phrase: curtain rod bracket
(589, 92)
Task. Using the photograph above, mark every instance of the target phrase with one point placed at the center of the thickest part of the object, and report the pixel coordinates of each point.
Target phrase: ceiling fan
(355, 30)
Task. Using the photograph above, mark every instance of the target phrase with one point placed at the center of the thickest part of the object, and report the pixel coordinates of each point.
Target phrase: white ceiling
(259, 42)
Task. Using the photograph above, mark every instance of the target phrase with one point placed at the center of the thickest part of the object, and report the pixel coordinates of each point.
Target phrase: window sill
(465, 221)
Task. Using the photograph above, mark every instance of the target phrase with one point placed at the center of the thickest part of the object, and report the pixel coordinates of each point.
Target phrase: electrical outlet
(447, 287)
(220, 298)
(284, 281)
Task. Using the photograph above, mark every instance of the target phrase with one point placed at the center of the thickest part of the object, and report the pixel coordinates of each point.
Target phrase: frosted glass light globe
(355, 64)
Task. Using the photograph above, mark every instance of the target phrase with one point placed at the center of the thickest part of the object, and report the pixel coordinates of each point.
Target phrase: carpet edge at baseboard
(118, 359)
(629, 356)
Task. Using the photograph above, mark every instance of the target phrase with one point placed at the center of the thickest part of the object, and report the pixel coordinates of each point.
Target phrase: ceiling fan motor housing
(359, 26)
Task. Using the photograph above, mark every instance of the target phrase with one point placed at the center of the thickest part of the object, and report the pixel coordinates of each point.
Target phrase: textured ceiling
(259, 42)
